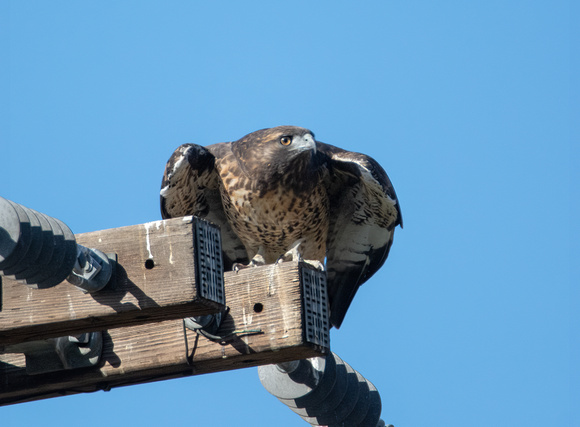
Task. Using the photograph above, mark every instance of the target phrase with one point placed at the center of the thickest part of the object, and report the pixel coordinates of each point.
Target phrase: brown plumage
(278, 193)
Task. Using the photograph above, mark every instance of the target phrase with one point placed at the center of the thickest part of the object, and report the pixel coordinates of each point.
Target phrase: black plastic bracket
(209, 266)
(315, 299)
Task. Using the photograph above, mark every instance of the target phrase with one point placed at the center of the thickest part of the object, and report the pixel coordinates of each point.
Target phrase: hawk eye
(286, 140)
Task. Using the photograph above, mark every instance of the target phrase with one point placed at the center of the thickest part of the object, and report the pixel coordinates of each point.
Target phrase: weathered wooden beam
(154, 280)
(268, 317)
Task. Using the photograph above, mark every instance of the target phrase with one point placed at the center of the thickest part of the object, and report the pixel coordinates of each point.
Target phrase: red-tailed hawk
(280, 194)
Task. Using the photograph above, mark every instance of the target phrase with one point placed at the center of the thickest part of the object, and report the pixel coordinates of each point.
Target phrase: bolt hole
(149, 264)
(258, 307)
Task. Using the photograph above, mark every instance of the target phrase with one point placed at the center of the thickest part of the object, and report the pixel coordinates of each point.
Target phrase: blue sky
(469, 106)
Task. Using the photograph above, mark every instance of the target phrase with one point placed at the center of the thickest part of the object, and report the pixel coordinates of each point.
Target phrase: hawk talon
(293, 254)
(237, 266)
(288, 257)
(315, 263)
(255, 262)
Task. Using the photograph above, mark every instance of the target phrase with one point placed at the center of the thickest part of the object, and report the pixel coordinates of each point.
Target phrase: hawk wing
(364, 212)
(191, 186)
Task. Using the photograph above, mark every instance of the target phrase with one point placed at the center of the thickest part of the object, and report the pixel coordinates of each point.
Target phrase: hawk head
(281, 155)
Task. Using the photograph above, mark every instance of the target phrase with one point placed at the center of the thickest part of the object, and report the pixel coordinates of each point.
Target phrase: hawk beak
(304, 143)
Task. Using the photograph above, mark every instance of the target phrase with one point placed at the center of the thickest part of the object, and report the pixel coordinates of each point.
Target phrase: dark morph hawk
(278, 193)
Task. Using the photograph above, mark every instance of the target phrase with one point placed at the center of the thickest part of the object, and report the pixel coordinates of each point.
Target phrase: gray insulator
(57, 354)
(9, 231)
(324, 391)
(34, 248)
